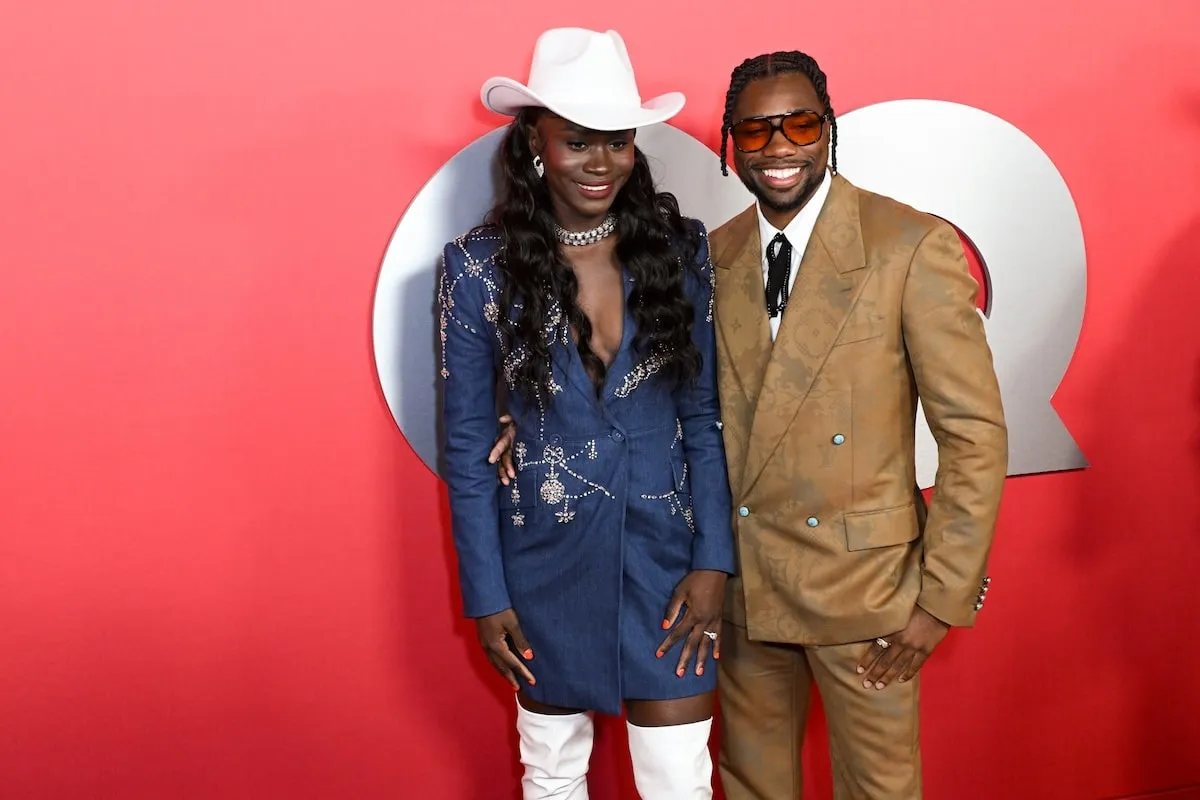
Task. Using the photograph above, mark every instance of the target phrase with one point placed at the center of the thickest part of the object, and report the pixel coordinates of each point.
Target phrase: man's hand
(905, 652)
(502, 450)
(495, 633)
(703, 592)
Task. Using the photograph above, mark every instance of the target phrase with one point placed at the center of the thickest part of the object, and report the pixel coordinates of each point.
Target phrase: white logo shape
(1000, 189)
(962, 164)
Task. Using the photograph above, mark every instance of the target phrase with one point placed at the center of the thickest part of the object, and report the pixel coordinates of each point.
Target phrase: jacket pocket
(681, 489)
(887, 527)
(863, 325)
(681, 480)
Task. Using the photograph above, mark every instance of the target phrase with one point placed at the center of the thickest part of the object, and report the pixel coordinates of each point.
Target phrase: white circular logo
(967, 166)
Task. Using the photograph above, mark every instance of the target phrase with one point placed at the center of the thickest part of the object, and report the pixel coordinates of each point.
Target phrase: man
(836, 309)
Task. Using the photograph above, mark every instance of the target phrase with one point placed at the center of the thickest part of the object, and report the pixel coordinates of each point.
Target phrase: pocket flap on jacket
(682, 483)
(866, 530)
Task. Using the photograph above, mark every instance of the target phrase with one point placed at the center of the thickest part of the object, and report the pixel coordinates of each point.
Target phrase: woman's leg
(668, 743)
(556, 746)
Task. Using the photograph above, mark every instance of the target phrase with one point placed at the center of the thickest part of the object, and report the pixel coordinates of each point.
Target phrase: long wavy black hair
(654, 244)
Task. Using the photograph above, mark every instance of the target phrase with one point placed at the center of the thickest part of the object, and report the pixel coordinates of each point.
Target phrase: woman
(589, 296)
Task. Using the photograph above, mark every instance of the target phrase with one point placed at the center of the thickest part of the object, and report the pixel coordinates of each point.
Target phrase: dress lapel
(570, 366)
(829, 282)
(623, 362)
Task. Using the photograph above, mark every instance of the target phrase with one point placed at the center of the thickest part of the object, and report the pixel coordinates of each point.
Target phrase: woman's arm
(469, 423)
(700, 414)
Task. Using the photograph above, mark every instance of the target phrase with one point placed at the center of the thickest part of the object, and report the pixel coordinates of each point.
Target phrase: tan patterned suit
(834, 541)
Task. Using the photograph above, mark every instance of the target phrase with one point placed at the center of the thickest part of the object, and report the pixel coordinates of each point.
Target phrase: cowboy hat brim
(506, 96)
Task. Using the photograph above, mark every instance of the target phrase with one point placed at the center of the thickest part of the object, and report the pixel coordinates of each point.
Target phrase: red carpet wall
(224, 574)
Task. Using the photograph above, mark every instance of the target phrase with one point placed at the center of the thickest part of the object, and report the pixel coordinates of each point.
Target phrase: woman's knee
(529, 704)
(661, 713)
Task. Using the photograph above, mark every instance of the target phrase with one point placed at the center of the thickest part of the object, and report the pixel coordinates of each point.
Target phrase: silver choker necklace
(580, 238)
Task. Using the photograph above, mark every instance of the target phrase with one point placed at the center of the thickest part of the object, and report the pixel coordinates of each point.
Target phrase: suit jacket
(834, 541)
(601, 523)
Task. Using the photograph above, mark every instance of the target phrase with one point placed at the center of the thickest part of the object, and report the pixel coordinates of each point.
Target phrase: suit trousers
(764, 690)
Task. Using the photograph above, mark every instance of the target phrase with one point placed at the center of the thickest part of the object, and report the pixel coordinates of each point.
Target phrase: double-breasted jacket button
(813, 522)
(839, 438)
(743, 511)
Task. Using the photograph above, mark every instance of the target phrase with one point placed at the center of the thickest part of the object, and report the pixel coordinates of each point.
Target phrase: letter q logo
(969, 167)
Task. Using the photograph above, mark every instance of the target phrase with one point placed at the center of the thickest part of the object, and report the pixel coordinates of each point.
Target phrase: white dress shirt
(798, 232)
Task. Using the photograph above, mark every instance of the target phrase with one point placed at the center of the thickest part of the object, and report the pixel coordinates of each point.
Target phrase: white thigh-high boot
(672, 762)
(555, 750)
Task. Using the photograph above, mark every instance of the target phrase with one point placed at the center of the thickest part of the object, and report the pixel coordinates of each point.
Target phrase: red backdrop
(223, 574)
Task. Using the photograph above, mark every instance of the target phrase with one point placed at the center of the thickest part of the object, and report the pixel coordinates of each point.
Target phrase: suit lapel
(829, 282)
(741, 316)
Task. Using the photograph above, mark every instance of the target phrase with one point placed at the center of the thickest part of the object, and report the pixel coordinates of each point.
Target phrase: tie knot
(777, 244)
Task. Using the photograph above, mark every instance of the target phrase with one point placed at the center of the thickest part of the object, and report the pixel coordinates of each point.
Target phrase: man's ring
(883, 643)
(711, 635)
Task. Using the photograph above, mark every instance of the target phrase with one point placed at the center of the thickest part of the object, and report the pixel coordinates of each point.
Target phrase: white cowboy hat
(585, 77)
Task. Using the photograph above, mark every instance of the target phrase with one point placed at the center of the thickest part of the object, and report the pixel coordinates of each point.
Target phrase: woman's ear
(537, 142)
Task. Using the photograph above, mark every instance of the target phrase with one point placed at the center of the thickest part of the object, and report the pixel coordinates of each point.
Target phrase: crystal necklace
(580, 238)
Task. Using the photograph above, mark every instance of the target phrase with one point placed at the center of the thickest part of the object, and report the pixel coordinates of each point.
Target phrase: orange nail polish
(666, 624)
(679, 673)
(528, 655)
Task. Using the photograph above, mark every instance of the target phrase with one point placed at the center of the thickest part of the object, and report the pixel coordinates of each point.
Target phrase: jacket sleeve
(700, 416)
(469, 424)
(956, 382)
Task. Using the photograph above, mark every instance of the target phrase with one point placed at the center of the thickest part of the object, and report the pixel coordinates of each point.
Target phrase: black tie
(779, 271)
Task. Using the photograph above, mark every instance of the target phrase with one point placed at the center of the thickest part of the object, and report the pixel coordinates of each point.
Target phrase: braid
(767, 66)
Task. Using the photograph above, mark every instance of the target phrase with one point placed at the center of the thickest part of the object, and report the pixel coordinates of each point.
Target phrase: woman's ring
(711, 635)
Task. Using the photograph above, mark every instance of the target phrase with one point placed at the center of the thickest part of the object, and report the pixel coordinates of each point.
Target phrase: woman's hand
(501, 453)
(495, 631)
(703, 592)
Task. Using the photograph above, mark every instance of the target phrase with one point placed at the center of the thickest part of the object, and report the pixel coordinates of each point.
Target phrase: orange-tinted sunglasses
(799, 127)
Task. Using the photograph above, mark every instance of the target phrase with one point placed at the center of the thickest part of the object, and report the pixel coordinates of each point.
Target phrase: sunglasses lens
(751, 135)
(803, 128)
